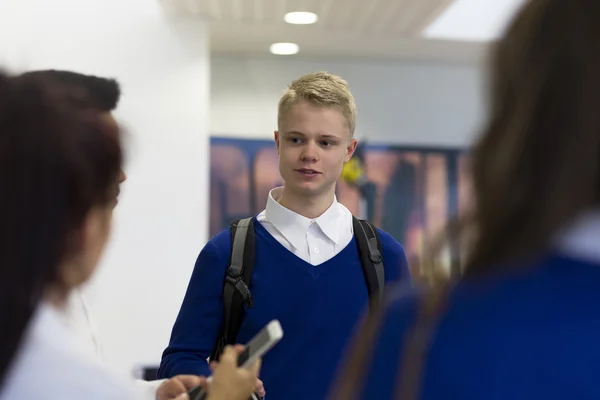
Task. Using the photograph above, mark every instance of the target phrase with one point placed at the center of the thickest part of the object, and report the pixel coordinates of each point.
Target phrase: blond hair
(321, 89)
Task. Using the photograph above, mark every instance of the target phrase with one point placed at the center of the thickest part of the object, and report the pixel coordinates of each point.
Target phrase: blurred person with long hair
(521, 322)
(103, 95)
(59, 165)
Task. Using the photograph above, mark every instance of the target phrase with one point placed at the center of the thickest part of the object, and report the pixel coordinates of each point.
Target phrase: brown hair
(102, 93)
(58, 160)
(321, 89)
(537, 164)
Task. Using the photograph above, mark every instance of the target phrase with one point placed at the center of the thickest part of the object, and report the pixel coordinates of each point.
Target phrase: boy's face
(313, 144)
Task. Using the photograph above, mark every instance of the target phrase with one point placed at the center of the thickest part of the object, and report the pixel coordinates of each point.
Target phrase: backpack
(236, 292)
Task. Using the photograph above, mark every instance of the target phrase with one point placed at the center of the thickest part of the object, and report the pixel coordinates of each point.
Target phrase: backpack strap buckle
(369, 250)
(374, 253)
(240, 286)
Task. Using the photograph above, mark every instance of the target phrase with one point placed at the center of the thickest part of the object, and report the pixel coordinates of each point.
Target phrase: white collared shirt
(313, 240)
(581, 239)
(53, 364)
(79, 318)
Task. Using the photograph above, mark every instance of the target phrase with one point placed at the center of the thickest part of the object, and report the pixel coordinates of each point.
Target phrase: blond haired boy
(307, 270)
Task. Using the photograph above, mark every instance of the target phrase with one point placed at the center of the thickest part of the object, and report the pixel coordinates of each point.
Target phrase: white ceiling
(474, 20)
(384, 29)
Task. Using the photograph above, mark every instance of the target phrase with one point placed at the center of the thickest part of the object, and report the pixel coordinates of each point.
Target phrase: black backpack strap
(236, 292)
(371, 256)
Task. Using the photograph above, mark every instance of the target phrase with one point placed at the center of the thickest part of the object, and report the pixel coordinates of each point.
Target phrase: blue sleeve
(394, 259)
(199, 320)
(381, 376)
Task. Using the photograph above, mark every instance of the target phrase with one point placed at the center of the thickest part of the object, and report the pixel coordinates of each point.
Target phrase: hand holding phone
(256, 348)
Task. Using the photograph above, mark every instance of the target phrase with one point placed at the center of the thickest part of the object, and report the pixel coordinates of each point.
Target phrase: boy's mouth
(308, 171)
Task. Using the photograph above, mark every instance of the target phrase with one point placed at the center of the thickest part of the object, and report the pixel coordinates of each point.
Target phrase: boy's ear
(350, 149)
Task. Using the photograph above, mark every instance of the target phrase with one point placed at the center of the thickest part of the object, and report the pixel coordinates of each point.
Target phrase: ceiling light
(300, 18)
(284, 49)
(474, 20)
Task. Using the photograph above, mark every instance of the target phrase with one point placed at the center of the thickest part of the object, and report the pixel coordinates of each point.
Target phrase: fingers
(190, 381)
(230, 354)
(230, 381)
(170, 389)
(239, 348)
(255, 368)
(178, 386)
(260, 388)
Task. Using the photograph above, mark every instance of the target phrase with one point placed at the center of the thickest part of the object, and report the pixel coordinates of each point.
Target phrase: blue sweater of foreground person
(318, 307)
(520, 336)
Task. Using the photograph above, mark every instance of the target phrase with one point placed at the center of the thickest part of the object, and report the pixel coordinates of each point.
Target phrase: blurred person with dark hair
(59, 163)
(60, 160)
(522, 320)
(103, 94)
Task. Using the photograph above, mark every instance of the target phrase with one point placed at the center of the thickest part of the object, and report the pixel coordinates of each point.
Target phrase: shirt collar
(294, 226)
(582, 238)
(50, 322)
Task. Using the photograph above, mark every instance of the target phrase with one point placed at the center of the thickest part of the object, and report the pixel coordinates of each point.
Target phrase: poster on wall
(415, 191)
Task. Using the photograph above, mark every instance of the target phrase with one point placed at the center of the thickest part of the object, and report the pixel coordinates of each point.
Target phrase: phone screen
(261, 340)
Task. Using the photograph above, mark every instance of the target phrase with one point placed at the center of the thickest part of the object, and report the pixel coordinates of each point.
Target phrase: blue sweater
(528, 335)
(318, 307)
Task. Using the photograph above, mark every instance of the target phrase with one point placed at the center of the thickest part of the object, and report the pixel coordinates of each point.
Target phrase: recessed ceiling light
(284, 49)
(300, 18)
(474, 20)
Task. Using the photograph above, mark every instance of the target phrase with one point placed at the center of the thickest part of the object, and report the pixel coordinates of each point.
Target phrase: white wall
(160, 223)
(398, 102)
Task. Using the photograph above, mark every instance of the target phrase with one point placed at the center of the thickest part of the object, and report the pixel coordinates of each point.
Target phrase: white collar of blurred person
(581, 239)
(50, 326)
(52, 356)
(293, 226)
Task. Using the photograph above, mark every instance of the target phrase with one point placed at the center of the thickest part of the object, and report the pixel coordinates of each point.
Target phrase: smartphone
(262, 342)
